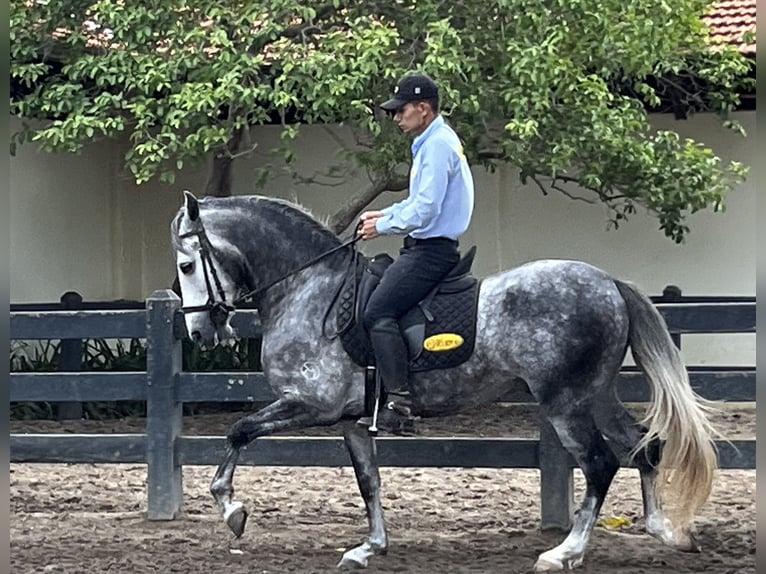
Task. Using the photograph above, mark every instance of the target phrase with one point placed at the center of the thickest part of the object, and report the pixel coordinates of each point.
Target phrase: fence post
(670, 294)
(163, 411)
(556, 481)
(70, 359)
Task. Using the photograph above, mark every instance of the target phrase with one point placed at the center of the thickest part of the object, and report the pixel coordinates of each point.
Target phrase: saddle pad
(452, 313)
(352, 333)
(346, 304)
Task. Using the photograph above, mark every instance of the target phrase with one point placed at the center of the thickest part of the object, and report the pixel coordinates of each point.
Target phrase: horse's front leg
(361, 448)
(234, 513)
(281, 415)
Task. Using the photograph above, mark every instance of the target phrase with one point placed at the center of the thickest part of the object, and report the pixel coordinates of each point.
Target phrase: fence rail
(484, 452)
(165, 387)
(727, 384)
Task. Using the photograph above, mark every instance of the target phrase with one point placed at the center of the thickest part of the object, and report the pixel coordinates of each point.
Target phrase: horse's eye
(186, 268)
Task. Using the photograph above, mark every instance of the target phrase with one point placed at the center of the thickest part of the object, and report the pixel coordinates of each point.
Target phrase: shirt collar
(418, 141)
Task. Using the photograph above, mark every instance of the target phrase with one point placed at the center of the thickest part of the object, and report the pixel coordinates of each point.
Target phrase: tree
(559, 88)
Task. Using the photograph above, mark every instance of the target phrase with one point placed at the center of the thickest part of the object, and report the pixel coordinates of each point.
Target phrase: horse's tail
(676, 414)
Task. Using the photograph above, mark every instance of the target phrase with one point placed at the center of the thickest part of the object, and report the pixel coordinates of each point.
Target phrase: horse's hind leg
(576, 428)
(624, 433)
(284, 414)
(361, 448)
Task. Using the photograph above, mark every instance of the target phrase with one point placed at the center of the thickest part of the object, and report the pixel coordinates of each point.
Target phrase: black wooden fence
(165, 387)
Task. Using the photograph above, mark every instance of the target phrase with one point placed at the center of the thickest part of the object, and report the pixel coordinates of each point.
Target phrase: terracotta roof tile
(730, 20)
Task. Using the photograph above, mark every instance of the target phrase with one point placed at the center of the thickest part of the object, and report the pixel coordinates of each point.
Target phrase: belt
(412, 242)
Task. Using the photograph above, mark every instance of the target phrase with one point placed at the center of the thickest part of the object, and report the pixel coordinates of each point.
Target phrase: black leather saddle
(440, 331)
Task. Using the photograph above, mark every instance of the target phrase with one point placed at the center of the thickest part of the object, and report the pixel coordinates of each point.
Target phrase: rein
(220, 309)
(306, 265)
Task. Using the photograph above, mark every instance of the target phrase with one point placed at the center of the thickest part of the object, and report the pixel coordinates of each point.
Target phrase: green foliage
(235, 355)
(29, 357)
(106, 355)
(26, 357)
(559, 88)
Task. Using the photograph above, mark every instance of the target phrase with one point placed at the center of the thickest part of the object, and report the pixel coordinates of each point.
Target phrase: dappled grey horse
(563, 327)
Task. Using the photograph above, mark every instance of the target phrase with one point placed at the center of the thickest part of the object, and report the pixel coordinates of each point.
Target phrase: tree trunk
(219, 180)
(346, 215)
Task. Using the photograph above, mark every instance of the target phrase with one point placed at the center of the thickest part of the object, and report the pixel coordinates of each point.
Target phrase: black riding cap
(411, 88)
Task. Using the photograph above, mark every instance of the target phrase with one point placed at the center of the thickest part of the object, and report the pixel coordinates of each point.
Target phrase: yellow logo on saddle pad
(442, 342)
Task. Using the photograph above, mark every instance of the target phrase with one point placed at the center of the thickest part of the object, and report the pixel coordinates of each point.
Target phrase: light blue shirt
(440, 200)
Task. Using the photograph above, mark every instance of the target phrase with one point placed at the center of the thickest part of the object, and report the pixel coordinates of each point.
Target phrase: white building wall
(79, 223)
(719, 254)
(61, 209)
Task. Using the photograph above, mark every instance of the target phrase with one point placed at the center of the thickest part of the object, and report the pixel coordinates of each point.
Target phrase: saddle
(440, 331)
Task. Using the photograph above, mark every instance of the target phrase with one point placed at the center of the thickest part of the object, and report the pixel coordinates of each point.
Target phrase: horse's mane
(300, 215)
(277, 211)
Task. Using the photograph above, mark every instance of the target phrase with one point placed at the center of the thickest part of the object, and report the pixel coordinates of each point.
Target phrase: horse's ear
(192, 207)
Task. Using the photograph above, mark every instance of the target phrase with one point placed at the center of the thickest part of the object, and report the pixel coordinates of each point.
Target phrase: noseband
(219, 310)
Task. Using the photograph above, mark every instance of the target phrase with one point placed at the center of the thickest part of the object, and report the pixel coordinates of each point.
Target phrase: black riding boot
(392, 363)
(390, 356)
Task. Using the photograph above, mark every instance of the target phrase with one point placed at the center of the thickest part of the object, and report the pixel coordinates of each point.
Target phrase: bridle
(219, 309)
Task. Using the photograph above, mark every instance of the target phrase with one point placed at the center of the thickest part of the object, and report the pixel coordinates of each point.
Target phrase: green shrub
(121, 355)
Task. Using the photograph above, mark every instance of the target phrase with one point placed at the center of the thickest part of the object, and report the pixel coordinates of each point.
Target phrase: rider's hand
(367, 224)
(370, 215)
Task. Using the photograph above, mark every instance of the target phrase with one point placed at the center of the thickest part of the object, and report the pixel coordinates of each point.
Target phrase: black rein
(219, 310)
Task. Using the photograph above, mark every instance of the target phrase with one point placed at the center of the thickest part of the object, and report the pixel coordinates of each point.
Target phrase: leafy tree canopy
(559, 88)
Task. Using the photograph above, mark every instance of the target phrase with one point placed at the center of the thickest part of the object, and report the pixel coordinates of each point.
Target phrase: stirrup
(401, 408)
(390, 421)
(400, 392)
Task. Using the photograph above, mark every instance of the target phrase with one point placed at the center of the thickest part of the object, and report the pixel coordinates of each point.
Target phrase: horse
(561, 326)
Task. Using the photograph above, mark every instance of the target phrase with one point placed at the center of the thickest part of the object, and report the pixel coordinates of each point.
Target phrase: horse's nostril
(196, 336)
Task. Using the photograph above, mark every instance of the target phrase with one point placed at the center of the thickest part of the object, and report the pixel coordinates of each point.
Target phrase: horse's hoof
(688, 543)
(350, 564)
(356, 559)
(236, 518)
(683, 540)
(551, 564)
(548, 565)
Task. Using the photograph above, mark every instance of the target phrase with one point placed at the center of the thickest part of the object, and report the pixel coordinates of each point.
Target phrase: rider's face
(412, 117)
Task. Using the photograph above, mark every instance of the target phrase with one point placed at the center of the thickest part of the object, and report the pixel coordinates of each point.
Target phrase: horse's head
(210, 274)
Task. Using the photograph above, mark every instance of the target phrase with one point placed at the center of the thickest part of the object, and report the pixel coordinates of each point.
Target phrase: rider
(435, 213)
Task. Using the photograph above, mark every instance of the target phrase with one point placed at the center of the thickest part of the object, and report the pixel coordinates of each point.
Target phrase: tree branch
(305, 29)
(247, 151)
(490, 154)
(569, 194)
(345, 216)
(314, 179)
(553, 185)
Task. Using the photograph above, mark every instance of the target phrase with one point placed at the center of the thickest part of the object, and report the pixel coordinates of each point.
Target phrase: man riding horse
(436, 212)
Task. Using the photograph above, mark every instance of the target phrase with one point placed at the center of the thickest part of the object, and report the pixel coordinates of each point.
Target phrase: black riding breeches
(421, 265)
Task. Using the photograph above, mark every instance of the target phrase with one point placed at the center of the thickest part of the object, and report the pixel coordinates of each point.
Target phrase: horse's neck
(275, 250)
(276, 245)
(301, 302)
(276, 259)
